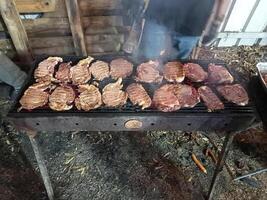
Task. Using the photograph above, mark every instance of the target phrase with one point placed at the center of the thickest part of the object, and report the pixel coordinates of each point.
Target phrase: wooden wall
(102, 22)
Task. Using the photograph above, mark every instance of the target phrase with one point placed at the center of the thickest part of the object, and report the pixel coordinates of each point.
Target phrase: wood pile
(101, 22)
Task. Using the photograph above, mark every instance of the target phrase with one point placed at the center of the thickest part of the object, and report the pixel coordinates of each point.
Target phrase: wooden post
(76, 27)
(16, 29)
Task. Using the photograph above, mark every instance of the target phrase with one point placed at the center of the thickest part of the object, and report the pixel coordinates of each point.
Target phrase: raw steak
(62, 98)
(174, 72)
(187, 95)
(195, 72)
(148, 72)
(210, 99)
(120, 68)
(165, 100)
(100, 70)
(35, 96)
(89, 98)
(138, 95)
(45, 70)
(234, 93)
(219, 75)
(80, 73)
(113, 96)
(63, 73)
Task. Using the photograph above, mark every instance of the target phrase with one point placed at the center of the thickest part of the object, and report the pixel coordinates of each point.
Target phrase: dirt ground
(131, 165)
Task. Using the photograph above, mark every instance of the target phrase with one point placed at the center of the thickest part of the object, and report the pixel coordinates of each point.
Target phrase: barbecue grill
(131, 118)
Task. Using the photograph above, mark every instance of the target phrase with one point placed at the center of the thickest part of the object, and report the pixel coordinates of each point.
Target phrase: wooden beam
(16, 29)
(32, 6)
(76, 27)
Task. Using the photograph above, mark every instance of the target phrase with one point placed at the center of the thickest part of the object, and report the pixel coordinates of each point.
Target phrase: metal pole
(219, 167)
(41, 165)
(251, 174)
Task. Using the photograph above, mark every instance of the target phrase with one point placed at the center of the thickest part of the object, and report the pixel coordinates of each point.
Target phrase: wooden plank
(68, 49)
(244, 35)
(50, 42)
(89, 5)
(48, 24)
(16, 29)
(31, 6)
(63, 41)
(95, 9)
(76, 27)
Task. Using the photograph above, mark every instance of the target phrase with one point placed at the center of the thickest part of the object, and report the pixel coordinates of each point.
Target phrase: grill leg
(41, 165)
(219, 167)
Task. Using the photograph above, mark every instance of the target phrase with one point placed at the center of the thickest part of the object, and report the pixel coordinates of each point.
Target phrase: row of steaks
(64, 86)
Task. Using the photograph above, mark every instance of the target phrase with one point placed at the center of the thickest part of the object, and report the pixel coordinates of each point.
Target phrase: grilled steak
(89, 98)
(148, 72)
(63, 73)
(195, 72)
(35, 96)
(187, 95)
(174, 72)
(165, 99)
(80, 73)
(219, 75)
(120, 68)
(100, 70)
(113, 96)
(45, 70)
(210, 99)
(62, 98)
(234, 93)
(138, 95)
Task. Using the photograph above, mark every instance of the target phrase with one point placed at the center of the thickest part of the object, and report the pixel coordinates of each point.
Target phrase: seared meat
(100, 70)
(45, 70)
(165, 99)
(174, 72)
(234, 93)
(62, 98)
(195, 72)
(63, 73)
(120, 68)
(187, 95)
(219, 75)
(148, 72)
(138, 95)
(89, 98)
(113, 96)
(210, 99)
(80, 73)
(35, 96)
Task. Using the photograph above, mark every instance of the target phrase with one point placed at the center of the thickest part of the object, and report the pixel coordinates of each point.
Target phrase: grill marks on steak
(234, 93)
(35, 96)
(120, 68)
(210, 99)
(62, 98)
(165, 99)
(63, 73)
(195, 72)
(148, 72)
(187, 95)
(80, 73)
(174, 72)
(45, 70)
(100, 70)
(89, 98)
(138, 95)
(113, 96)
(219, 75)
